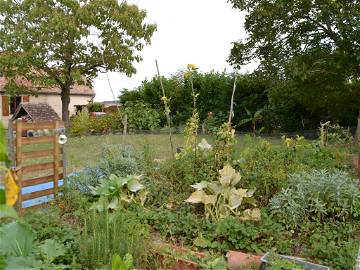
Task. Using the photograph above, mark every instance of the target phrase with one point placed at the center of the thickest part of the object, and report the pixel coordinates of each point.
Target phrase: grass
(84, 151)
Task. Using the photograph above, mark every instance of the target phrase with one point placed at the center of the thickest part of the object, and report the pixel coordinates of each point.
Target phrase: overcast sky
(188, 31)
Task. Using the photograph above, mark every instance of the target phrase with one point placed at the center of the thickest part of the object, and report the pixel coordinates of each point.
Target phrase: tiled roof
(40, 112)
(75, 90)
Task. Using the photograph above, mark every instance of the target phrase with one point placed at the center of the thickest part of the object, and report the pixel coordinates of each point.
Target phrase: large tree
(59, 43)
(312, 43)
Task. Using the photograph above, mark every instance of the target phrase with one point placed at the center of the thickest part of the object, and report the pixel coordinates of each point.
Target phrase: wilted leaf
(235, 201)
(209, 199)
(215, 187)
(196, 197)
(228, 176)
(241, 192)
(251, 214)
(114, 204)
(201, 185)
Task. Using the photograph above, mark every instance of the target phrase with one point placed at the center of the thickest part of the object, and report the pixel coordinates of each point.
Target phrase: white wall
(54, 101)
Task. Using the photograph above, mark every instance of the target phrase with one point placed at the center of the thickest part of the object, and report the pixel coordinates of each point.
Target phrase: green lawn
(84, 151)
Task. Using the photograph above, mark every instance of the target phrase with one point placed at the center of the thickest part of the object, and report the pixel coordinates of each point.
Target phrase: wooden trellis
(29, 164)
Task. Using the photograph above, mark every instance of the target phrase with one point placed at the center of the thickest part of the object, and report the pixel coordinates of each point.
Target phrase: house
(80, 96)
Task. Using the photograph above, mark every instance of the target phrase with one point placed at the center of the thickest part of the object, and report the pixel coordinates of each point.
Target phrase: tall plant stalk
(231, 113)
(167, 108)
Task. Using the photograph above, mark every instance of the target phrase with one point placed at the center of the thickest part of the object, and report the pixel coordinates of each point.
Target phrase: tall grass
(107, 234)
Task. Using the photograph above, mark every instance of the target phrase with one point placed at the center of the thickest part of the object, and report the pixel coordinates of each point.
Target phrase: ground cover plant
(138, 198)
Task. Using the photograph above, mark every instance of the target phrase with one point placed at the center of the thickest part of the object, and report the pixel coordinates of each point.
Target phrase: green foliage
(50, 42)
(334, 244)
(222, 198)
(106, 123)
(141, 116)
(80, 124)
(120, 159)
(317, 196)
(106, 235)
(117, 192)
(95, 107)
(191, 132)
(21, 252)
(3, 151)
(278, 263)
(307, 50)
(16, 239)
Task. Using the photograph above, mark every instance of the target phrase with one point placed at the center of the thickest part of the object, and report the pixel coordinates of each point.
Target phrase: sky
(199, 32)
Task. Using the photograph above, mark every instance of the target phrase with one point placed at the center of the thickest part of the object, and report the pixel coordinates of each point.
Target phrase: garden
(174, 177)
(219, 203)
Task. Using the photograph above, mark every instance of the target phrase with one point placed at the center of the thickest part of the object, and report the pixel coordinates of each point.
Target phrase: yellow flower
(191, 67)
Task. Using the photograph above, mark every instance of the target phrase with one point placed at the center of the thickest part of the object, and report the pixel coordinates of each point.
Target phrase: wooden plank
(5, 105)
(37, 194)
(40, 125)
(36, 154)
(36, 207)
(18, 147)
(56, 158)
(40, 180)
(40, 167)
(34, 140)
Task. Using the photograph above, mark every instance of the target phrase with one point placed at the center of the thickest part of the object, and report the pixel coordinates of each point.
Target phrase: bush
(141, 116)
(88, 177)
(317, 195)
(80, 124)
(120, 160)
(106, 123)
(119, 233)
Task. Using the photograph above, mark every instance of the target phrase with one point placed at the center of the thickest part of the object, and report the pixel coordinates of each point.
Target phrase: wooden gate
(38, 161)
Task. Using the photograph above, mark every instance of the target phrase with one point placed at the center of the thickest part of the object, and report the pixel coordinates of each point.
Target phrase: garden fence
(38, 169)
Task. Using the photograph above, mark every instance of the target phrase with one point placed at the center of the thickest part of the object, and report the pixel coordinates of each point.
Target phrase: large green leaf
(16, 239)
(7, 211)
(133, 184)
(51, 249)
(23, 263)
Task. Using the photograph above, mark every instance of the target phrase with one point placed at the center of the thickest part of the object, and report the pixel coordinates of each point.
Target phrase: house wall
(54, 101)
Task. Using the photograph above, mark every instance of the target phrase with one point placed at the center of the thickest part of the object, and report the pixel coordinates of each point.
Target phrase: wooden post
(124, 121)
(19, 130)
(56, 158)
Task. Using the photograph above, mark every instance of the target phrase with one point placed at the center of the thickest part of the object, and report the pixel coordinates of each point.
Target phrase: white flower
(204, 145)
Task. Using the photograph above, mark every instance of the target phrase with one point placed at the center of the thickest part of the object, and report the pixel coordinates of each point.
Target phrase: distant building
(111, 106)
(80, 96)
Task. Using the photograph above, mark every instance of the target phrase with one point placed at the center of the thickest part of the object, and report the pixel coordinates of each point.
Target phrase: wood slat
(36, 154)
(37, 194)
(33, 140)
(36, 207)
(39, 167)
(40, 180)
(38, 125)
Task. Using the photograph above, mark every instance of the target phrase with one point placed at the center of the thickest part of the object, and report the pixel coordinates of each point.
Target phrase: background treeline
(290, 104)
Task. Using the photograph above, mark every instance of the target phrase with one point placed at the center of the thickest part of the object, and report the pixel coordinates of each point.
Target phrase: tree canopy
(59, 43)
(311, 51)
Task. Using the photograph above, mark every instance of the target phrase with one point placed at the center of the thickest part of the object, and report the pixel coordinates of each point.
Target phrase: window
(14, 104)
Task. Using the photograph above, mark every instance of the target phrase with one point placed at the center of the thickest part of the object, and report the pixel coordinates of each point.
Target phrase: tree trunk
(65, 101)
(357, 133)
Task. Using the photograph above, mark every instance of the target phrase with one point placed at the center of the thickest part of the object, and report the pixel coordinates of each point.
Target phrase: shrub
(120, 160)
(317, 195)
(141, 115)
(83, 180)
(80, 124)
(105, 235)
